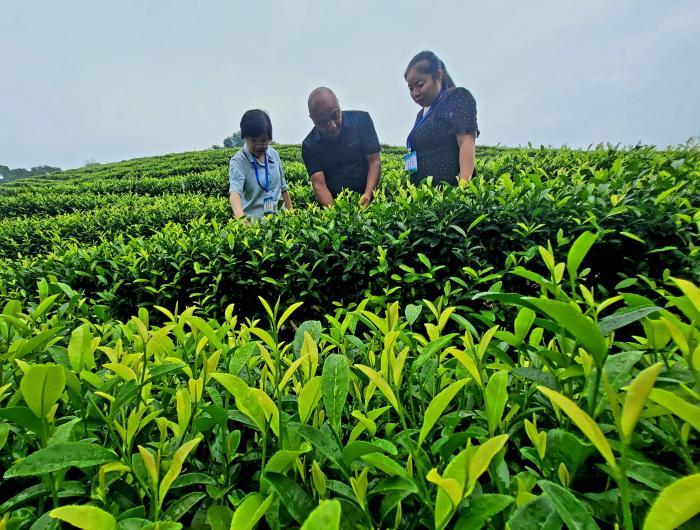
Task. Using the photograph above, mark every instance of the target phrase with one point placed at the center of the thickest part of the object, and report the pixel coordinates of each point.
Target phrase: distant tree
(7, 174)
(215, 146)
(234, 140)
(91, 162)
(43, 170)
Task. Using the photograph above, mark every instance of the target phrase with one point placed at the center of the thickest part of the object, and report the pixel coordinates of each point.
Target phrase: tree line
(7, 174)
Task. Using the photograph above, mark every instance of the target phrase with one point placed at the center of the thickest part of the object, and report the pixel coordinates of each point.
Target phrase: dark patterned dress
(435, 141)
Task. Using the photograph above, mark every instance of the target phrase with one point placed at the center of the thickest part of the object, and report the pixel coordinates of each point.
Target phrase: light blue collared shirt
(242, 180)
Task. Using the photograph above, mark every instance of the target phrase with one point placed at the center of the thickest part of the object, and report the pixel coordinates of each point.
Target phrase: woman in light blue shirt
(256, 177)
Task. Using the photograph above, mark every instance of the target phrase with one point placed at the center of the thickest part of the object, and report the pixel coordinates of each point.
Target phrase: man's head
(324, 111)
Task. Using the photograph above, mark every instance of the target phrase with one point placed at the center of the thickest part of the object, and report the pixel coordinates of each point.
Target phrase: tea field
(522, 352)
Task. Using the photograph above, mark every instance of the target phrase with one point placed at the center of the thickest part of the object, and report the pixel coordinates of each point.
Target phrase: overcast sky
(87, 79)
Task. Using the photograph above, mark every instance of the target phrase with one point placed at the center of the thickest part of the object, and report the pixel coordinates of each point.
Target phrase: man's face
(328, 118)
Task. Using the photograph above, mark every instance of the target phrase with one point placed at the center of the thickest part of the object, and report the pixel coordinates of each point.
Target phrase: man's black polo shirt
(343, 161)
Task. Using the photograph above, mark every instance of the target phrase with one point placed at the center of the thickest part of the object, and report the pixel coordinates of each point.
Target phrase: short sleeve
(283, 180)
(236, 178)
(370, 141)
(310, 160)
(460, 112)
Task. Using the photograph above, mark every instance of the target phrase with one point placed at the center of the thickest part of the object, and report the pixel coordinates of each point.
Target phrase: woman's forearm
(467, 156)
(236, 205)
(287, 200)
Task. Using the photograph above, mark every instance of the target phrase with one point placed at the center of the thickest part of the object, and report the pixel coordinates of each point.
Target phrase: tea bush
(520, 353)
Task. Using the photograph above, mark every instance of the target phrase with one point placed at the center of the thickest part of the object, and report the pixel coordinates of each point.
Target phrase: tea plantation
(520, 353)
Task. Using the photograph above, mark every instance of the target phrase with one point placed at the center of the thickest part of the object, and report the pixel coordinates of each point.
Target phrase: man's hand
(366, 198)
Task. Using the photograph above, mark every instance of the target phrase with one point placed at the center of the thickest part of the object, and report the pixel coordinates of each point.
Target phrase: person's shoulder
(311, 139)
(238, 158)
(356, 116)
(274, 155)
(458, 95)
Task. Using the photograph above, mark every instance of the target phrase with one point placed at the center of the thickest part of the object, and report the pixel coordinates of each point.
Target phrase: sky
(93, 80)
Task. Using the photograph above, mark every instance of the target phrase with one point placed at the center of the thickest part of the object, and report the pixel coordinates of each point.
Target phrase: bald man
(341, 151)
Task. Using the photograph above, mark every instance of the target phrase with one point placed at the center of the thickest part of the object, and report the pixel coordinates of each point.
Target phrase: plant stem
(596, 388)
(54, 491)
(624, 485)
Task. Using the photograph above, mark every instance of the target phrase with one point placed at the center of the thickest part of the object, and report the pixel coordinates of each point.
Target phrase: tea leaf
(250, 511)
(80, 348)
(675, 505)
(572, 511)
(496, 397)
(583, 421)
(326, 516)
(287, 314)
(176, 466)
(437, 406)
(481, 509)
(42, 386)
(60, 456)
(381, 383)
(283, 459)
(291, 495)
(335, 384)
(246, 401)
(686, 411)
(582, 328)
(309, 398)
(481, 458)
(637, 395)
(578, 252)
(85, 517)
(384, 464)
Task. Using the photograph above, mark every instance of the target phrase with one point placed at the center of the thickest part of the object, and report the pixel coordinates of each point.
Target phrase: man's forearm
(287, 200)
(323, 195)
(373, 171)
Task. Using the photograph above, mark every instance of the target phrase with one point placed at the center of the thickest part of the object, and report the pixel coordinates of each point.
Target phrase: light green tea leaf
(85, 517)
(250, 511)
(42, 386)
(675, 505)
(326, 516)
(637, 394)
(437, 406)
(686, 411)
(583, 421)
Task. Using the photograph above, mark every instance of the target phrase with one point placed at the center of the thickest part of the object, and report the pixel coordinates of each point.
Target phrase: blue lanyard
(420, 121)
(254, 163)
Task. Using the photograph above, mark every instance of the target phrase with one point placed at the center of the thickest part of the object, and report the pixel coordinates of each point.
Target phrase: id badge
(268, 204)
(410, 162)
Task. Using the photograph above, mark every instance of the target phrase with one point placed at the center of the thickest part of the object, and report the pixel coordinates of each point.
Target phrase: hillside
(524, 350)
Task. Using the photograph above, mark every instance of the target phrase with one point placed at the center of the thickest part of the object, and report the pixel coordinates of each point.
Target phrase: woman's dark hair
(428, 63)
(255, 123)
